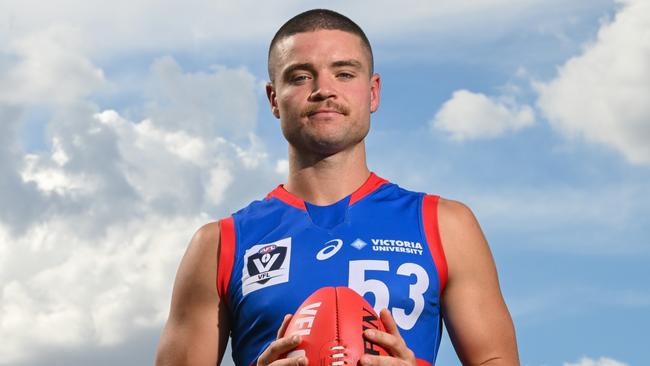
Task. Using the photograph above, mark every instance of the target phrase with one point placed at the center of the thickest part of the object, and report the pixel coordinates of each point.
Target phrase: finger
(276, 349)
(291, 361)
(283, 327)
(369, 360)
(389, 322)
(394, 344)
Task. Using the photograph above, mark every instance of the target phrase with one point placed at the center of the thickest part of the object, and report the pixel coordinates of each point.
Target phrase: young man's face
(323, 92)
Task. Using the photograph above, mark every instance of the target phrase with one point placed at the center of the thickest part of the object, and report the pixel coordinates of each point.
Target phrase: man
(334, 223)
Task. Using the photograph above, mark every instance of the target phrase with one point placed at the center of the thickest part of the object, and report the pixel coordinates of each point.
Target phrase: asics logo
(329, 250)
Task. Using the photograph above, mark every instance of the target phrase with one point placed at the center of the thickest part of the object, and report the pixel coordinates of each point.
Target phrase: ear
(375, 88)
(272, 96)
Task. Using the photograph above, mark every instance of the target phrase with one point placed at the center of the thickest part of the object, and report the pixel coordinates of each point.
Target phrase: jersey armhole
(226, 257)
(432, 234)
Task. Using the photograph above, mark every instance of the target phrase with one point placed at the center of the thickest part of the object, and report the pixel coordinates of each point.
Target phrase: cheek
(289, 104)
(361, 94)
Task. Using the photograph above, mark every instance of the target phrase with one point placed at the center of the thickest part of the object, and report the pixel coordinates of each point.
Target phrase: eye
(299, 79)
(344, 75)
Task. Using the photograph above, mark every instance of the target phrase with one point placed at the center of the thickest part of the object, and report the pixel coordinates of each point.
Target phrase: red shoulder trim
(421, 362)
(372, 183)
(226, 256)
(432, 233)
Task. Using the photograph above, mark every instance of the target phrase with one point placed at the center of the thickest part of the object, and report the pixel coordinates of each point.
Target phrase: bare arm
(475, 313)
(197, 330)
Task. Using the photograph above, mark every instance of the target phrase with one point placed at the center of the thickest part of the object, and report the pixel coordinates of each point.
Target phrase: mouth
(324, 113)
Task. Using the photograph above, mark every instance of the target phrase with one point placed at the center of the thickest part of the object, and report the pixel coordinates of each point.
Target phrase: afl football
(331, 322)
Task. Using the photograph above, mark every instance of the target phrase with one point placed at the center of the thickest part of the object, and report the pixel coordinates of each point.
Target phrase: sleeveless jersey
(382, 241)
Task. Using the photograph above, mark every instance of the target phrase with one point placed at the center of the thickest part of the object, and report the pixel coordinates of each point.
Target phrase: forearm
(499, 361)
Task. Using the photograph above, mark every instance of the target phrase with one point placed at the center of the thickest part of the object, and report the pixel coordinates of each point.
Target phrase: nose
(323, 88)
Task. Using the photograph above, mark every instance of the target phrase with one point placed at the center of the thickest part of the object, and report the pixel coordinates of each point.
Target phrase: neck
(326, 180)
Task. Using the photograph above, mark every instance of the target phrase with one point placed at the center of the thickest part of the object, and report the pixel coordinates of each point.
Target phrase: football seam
(338, 334)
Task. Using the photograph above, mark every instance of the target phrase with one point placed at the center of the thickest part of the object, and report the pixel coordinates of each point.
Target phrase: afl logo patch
(266, 265)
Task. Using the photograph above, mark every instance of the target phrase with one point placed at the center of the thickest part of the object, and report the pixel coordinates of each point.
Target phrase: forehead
(320, 46)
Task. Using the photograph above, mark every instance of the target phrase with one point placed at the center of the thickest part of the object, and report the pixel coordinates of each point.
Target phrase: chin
(325, 141)
(333, 146)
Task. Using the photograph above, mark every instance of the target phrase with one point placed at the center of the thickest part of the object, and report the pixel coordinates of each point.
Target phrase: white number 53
(358, 282)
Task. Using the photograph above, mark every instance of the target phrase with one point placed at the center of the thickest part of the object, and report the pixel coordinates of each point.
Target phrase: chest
(382, 254)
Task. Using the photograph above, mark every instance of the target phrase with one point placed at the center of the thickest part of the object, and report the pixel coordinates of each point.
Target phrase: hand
(279, 347)
(391, 341)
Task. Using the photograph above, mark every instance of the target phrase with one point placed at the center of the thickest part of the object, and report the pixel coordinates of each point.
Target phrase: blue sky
(125, 127)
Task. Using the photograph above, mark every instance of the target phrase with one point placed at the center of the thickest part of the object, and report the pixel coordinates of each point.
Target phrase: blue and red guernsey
(381, 241)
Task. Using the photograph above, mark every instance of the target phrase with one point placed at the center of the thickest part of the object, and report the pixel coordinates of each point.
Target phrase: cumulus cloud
(282, 166)
(602, 94)
(603, 361)
(197, 24)
(94, 224)
(122, 200)
(75, 293)
(52, 67)
(215, 103)
(99, 266)
(469, 116)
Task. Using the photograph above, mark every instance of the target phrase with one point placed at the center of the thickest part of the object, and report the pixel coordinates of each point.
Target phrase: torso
(374, 241)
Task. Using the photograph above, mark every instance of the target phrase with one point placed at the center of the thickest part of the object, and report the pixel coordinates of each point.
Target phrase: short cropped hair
(317, 19)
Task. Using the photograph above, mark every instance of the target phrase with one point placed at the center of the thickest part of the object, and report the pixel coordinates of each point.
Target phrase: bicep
(197, 330)
(475, 313)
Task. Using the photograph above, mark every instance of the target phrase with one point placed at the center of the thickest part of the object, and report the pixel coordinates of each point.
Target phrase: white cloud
(602, 94)
(51, 68)
(282, 166)
(78, 293)
(56, 180)
(143, 26)
(603, 361)
(208, 104)
(197, 25)
(468, 116)
(99, 266)
(113, 202)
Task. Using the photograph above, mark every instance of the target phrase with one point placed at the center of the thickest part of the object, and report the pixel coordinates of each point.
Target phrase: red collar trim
(283, 195)
(371, 184)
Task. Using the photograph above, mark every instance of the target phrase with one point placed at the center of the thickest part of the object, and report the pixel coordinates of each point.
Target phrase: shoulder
(455, 215)
(201, 254)
(206, 238)
(461, 235)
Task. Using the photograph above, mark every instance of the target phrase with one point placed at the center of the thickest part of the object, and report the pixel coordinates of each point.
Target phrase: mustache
(327, 105)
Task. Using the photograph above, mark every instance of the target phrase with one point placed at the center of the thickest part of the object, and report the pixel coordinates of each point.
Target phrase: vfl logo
(266, 265)
(266, 260)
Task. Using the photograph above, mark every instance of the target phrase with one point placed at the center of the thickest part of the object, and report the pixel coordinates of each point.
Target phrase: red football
(331, 322)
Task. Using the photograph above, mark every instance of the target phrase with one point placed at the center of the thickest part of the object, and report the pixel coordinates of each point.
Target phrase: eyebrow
(310, 67)
(352, 63)
(299, 66)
